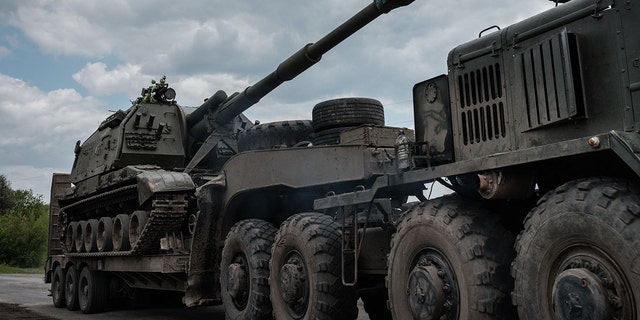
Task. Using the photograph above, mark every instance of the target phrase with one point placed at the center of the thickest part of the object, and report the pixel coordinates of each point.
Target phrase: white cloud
(99, 81)
(39, 129)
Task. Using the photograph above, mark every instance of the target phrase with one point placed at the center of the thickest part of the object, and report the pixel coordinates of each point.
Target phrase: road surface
(29, 291)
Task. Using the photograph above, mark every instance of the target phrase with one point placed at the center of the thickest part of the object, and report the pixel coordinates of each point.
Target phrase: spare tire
(281, 134)
(347, 112)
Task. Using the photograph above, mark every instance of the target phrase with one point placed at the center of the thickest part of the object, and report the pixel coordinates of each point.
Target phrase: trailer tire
(347, 112)
(580, 243)
(104, 240)
(306, 271)
(136, 225)
(90, 236)
(450, 259)
(120, 235)
(57, 287)
(244, 270)
(71, 288)
(92, 291)
(272, 135)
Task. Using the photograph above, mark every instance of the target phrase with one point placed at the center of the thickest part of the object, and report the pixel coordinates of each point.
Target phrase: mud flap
(203, 280)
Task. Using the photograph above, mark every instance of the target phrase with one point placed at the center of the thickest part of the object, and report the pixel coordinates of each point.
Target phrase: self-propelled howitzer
(132, 189)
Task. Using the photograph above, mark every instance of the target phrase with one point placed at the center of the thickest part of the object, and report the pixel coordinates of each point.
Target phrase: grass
(13, 270)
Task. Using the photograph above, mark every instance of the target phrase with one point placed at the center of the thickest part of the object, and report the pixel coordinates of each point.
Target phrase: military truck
(534, 128)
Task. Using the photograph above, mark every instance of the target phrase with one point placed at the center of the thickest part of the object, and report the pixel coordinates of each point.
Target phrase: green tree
(24, 224)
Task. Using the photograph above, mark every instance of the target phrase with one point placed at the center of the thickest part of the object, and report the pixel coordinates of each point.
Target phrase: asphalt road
(31, 292)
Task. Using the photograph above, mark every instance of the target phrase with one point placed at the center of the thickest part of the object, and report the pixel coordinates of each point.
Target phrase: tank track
(167, 215)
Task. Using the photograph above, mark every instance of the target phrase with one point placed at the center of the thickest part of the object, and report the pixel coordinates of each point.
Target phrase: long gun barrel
(290, 68)
(303, 59)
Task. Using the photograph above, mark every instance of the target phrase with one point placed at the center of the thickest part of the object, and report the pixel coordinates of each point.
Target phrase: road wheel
(79, 236)
(69, 239)
(90, 236)
(136, 225)
(281, 134)
(57, 287)
(305, 271)
(104, 242)
(347, 112)
(450, 259)
(245, 270)
(578, 254)
(92, 291)
(71, 288)
(120, 235)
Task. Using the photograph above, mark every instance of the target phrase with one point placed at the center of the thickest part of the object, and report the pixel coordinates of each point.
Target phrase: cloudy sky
(65, 65)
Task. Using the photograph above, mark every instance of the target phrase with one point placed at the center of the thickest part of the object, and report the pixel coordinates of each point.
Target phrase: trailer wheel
(450, 259)
(305, 271)
(71, 288)
(245, 270)
(578, 254)
(347, 112)
(92, 291)
(57, 287)
(274, 134)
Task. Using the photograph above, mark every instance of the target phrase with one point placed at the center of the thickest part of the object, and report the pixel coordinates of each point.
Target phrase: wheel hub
(292, 280)
(580, 294)
(236, 281)
(427, 291)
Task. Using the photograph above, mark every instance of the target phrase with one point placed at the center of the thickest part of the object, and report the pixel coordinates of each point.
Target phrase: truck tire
(347, 112)
(120, 235)
(91, 235)
(57, 287)
(244, 270)
(136, 225)
(92, 291)
(71, 288)
(579, 253)
(104, 240)
(275, 135)
(305, 271)
(69, 239)
(450, 259)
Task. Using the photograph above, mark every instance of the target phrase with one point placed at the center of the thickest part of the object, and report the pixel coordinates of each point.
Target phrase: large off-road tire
(92, 291)
(281, 134)
(578, 254)
(244, 270)
(71, 288)
(347, 112)
(305, 271)
(450, 259)
(57, 287)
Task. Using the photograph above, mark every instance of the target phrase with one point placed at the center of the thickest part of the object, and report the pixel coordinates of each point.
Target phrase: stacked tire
(332, 117)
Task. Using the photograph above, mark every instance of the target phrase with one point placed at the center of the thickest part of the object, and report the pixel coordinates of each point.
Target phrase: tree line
(24, 225)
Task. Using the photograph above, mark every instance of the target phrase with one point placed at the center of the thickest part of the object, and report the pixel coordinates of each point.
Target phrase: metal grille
(482, 114)
(549, 74)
